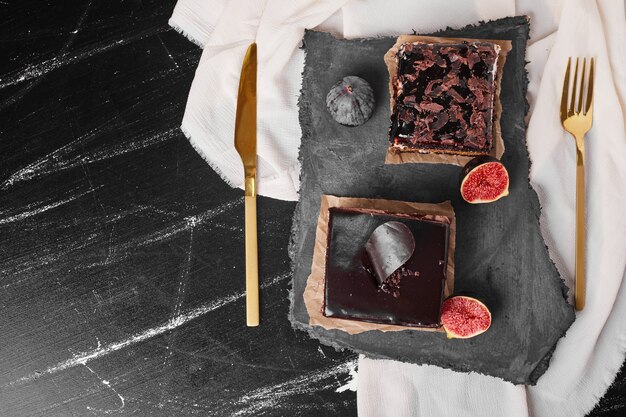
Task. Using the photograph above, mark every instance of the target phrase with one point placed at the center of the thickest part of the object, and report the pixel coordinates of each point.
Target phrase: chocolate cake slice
(443, 97)
(411, 296)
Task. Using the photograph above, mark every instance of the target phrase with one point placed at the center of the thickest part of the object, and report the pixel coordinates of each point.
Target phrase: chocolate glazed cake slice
(444, 97)
(355, 289)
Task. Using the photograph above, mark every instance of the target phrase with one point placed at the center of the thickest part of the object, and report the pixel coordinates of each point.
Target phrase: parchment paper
(398, 156)
(314, 291)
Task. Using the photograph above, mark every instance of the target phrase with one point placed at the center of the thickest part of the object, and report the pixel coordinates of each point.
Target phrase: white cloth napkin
(277, 26)
(587, 359)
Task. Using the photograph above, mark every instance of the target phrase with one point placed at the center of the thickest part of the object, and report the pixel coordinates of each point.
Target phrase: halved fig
(484, 179)
(464, 317)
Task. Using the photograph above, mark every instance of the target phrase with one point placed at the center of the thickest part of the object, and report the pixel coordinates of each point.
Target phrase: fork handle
(579, 272)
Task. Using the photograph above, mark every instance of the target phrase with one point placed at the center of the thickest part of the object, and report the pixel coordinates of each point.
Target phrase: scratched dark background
(121, 251)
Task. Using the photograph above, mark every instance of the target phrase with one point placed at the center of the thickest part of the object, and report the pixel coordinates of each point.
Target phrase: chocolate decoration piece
(389, 247)
(415, 296)
(444, 97)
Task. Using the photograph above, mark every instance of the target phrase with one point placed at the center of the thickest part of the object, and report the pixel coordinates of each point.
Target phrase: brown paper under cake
(397, 156)
(314, 291)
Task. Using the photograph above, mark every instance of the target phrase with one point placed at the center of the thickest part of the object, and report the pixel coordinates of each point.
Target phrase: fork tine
(589, 89)
(573, 102)
(582, 87)
(564, 93)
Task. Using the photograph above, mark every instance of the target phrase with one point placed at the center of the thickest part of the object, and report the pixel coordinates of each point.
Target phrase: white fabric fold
(277, 27)
(587, 359)
(366, 18)
(196, 19)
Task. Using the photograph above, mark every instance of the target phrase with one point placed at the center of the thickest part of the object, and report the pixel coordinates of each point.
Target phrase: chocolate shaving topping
(423, 65)
(440, 121)
(472, 59)
(430, 106)
(444, 96)
(392, 283)
(456, 96)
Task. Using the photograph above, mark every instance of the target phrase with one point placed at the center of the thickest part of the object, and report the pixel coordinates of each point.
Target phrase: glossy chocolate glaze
(444, 96)
(352, 292)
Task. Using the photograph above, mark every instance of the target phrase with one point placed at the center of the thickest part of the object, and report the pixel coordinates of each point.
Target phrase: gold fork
(577, 119)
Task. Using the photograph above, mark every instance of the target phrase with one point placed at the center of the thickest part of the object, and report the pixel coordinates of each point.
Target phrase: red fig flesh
(464, 317)
(484, 179)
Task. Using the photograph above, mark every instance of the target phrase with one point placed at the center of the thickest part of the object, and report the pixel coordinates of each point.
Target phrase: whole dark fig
(351, 101)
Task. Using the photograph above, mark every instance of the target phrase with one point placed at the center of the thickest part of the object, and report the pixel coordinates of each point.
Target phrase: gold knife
(245, 143)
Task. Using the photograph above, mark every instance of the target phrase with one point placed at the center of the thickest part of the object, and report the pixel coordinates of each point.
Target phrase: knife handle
(252, 266)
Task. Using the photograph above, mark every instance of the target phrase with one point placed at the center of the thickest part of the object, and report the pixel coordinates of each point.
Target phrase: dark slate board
(500, 254)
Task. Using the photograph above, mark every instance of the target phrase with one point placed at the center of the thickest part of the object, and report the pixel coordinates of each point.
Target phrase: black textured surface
(121, 251)
(500, 255)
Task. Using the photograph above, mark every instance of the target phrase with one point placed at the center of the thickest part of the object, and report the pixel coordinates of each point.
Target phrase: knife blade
(245, 144)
